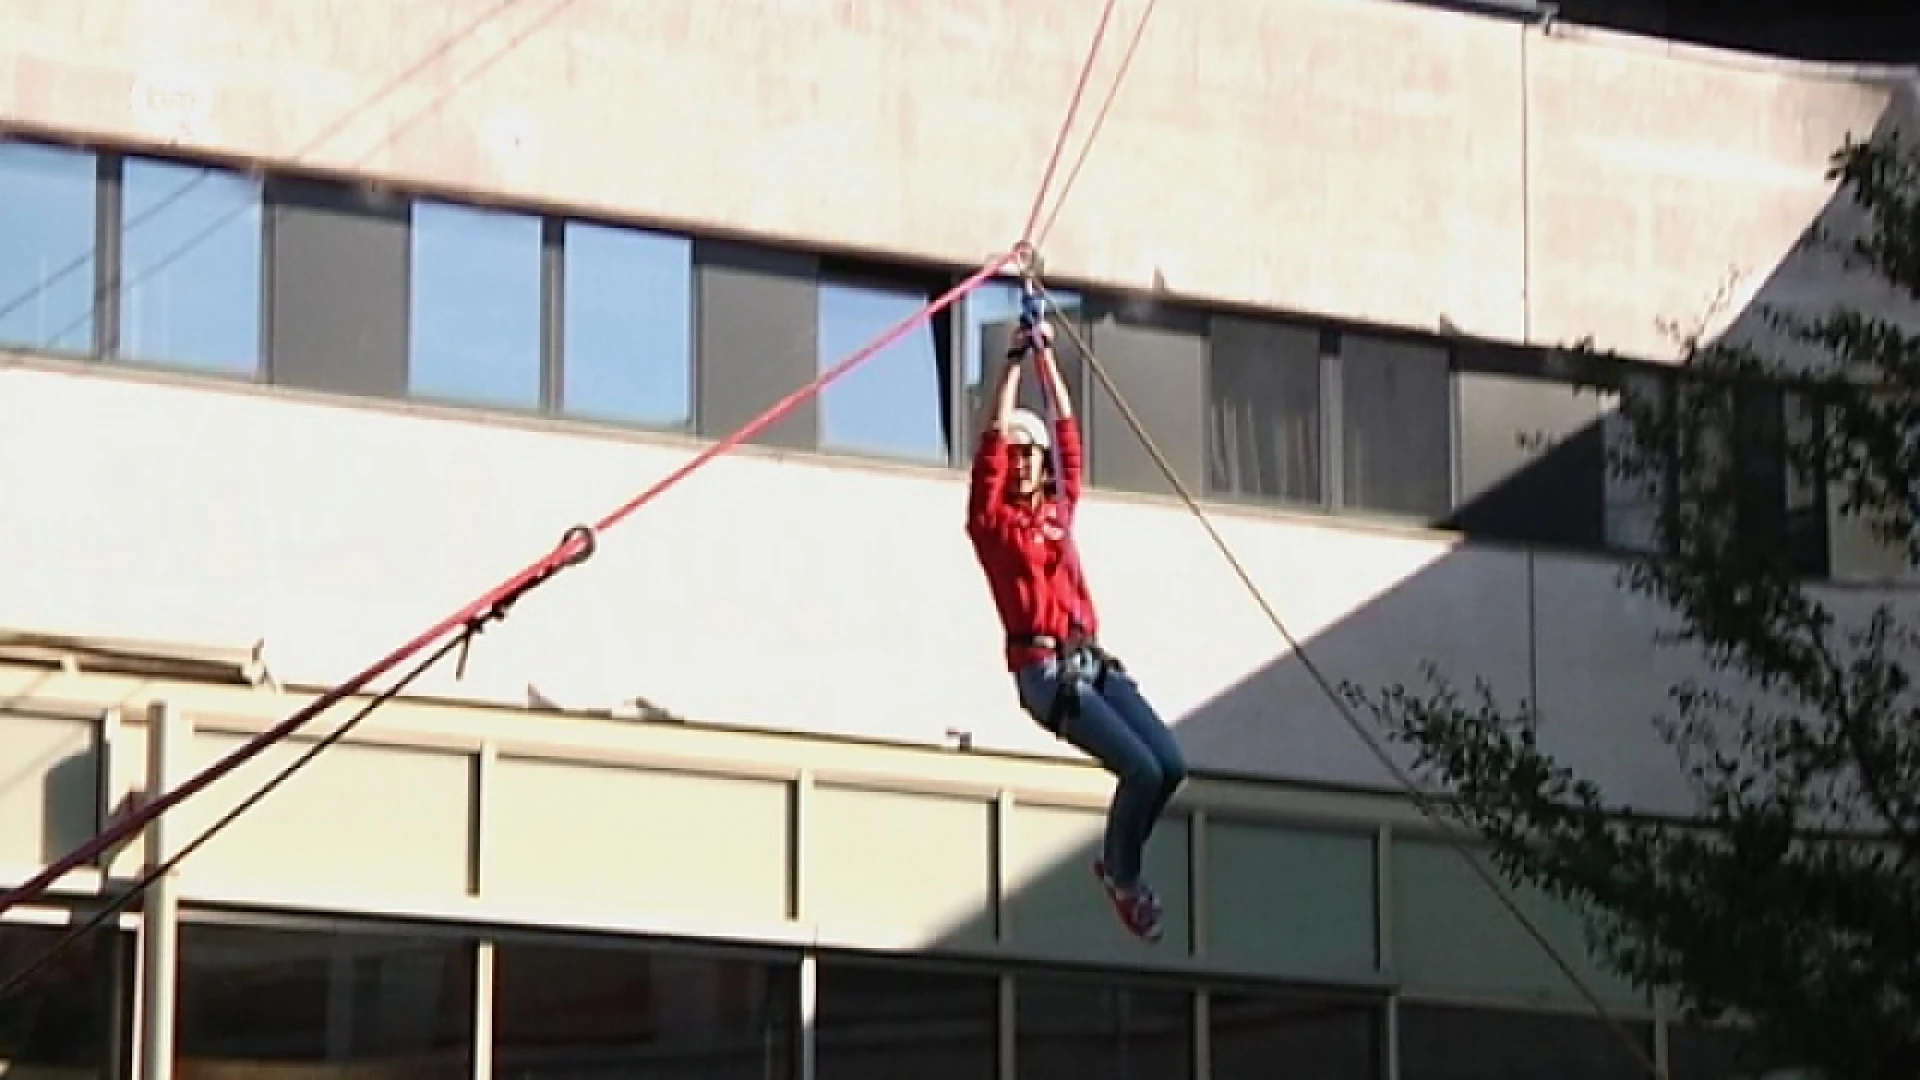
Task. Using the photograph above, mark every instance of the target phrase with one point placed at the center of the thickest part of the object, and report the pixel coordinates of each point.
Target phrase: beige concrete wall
(759, 592)
(1358, 158)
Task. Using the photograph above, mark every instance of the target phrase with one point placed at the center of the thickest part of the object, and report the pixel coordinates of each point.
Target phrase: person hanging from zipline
(1025, 489)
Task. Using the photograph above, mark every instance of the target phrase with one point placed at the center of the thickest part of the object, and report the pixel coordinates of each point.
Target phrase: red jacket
(1028, 552)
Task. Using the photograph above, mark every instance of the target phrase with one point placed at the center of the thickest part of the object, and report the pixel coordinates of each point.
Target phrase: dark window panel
(1718, 1053)
(475, 306)
(896, 402)
(1158, 361)
(1809, 541)
(1746, 436)
(565, 1011)
(757, 339)
(880, 1022)
(1531, 461)
(73, 1016)
(627, 326)
(1085, 1026)
(1445, 1042)
(337, 287)
(1265, 422)
(48, 217)
(1396, 419)
(1318, 1038)
(396, 1004)
(1637, 500)
(191, 267)
(1781, 506)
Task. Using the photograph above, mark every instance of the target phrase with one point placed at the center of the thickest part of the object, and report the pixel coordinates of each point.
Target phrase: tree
(1790, 902)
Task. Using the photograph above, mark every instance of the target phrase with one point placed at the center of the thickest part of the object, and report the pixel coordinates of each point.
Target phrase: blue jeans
(1117, 727)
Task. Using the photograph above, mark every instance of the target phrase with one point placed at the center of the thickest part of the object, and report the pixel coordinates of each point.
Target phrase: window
(1532, 468)
(1396, 409)
(72, 1018)
(1440, 1042)
(566, 1011)
(474, 321)
(1264, 431)
(1639, 480)
(879, 1022)
(1156, 355)
(190, 270)
(989, 316)
(1086, 1027)
(1739, 455)
(1328, 1038)
(1719, 1053)
(337, 287)
(400, 1006)
(48, 209)
(896, 402)
(626, 326)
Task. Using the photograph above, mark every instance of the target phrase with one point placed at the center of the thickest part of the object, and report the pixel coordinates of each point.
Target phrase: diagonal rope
(1099, 121)
(18, 980)
(1424, 803)
(1066, 124)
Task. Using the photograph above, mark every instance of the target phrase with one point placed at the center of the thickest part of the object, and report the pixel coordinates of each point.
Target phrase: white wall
(761, 592)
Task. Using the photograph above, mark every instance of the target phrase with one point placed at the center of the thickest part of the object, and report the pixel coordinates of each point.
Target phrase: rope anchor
(576, 546)
(1026, 260)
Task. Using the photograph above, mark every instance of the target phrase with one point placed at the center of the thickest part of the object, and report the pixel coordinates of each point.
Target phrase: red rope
(1066, 125)
(576, 544)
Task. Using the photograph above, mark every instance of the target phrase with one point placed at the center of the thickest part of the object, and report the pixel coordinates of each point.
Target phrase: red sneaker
(1138, 907)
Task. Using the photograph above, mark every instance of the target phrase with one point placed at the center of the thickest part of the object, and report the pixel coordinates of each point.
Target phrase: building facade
(317, 321)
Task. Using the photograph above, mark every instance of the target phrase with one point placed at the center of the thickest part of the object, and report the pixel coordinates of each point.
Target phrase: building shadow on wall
(1546, 528)
(1533, 603)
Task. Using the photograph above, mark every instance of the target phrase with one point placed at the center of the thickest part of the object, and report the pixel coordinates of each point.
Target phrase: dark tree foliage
(1790, 903)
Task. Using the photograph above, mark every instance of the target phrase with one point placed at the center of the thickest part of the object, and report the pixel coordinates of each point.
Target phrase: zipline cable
(1099, 121)
(575, 547)
(145, 880)
(1421, 801)
(1066, 124)
(340, 124)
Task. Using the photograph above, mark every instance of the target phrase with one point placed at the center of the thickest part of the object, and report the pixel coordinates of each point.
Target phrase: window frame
(945, 330)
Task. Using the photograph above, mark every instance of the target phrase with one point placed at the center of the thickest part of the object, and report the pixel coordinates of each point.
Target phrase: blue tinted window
(628, 328)
(190, 267)
(474, 323)
(991, 312)
(989, 315)
(893, 402)
(47, 213)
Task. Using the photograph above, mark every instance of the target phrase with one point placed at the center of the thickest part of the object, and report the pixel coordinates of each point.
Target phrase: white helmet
(1024, 428)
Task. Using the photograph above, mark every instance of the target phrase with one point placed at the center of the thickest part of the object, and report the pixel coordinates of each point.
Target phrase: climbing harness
(1081, 665)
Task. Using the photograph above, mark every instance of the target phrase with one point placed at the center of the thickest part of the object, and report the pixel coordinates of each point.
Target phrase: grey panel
(1266, 416)
(1396, 419)
(1159, 368)
(337, 288)
(758, 339)
(1531, 461)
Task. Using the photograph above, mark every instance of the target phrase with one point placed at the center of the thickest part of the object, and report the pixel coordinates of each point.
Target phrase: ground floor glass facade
(273, 1001)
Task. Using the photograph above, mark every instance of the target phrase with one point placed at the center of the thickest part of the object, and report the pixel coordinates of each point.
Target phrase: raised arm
(987, 488)
(1068, 454)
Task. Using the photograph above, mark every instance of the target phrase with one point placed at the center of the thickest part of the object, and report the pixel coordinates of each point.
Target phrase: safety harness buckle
(1080, 664)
